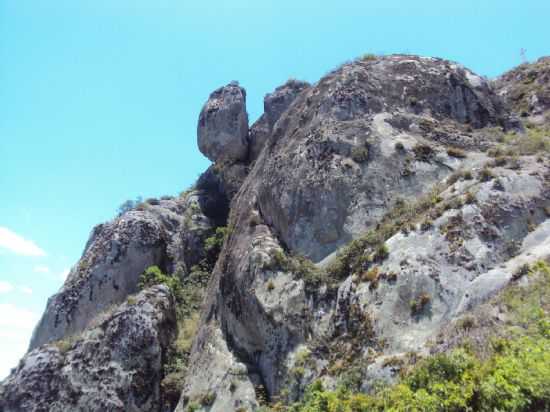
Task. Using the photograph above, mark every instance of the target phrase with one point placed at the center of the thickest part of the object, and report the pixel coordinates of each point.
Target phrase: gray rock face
(115, 365)
(334, 168)
(275, 104)
(462, 260)
(169, 234)
(223, 125)
(334, 164)
(526, 89)
(322, 166)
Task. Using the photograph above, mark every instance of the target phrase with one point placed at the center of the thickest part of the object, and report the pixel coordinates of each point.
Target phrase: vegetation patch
(514, 375)
(360, 154)
(486, 174)
(418, 304)
(536, 140)
(423, 152)
(456, 152)
(301, 268)
(189, 295)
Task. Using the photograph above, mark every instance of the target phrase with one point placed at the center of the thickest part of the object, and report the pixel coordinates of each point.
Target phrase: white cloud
(41, 269)
(63, 275)
(26, 290)
(5, 287)
(16, 326)
(17, 244)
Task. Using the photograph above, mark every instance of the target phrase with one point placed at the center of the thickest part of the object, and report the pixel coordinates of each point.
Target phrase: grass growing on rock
(359, 254)
(513, 376)
(301, 267)
(536, 140)
(189, 294)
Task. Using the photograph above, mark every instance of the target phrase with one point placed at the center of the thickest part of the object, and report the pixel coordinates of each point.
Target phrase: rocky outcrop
(364, 213)
(370, 133)
(526, 89)
(167, 233)
(336, 162)
(275, 104)
(223, 125)
(115, 365)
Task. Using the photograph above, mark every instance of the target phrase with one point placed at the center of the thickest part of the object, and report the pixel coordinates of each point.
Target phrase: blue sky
(99, 101)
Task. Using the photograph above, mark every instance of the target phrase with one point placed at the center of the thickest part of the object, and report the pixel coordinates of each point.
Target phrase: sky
(99, 101)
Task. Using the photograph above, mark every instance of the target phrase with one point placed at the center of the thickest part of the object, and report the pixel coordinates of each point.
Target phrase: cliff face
(114, 365)
(167, 233)
(365, 213)
(526, 89)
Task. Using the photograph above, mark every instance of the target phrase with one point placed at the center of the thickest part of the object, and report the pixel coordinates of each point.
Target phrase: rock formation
(223, 125)
(365, 214)
(167, 233)
(527, 90)
(115, 365)
(275, 104)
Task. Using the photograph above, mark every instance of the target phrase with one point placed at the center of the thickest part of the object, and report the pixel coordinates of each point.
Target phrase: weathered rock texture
(335, 163)
(527, 90)
(325, 166)
(275, 104)
(115, 365)
(223, 125)
(334, 167)
(166, 233)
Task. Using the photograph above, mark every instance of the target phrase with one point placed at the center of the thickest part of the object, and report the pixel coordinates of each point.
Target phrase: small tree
(129, 205)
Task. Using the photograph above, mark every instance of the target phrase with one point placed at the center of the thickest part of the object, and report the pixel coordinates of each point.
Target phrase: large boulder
(275, 104)
(222, 132)
(115, 365)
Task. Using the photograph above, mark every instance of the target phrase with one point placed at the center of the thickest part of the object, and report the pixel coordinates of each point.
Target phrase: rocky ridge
(364, 213)
(115, 365)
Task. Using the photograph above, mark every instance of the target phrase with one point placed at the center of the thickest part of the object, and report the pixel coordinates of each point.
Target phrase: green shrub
(456, 152)
(520, 272)
(423, 152)
(417, 305)
(514, 380)
(300, 266)
(485, 174)
(154, 276)
(368, 57)
(213, 245)
(360, 154)
(171, 387)
(495, 152)
(358, 254)
(207, 399)
(499, 161)
(381, 253)
(467, 322)
(66, 344)
(129, 205)
(512, 376)
(426, 225)
(470, 198)
(192, 407)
